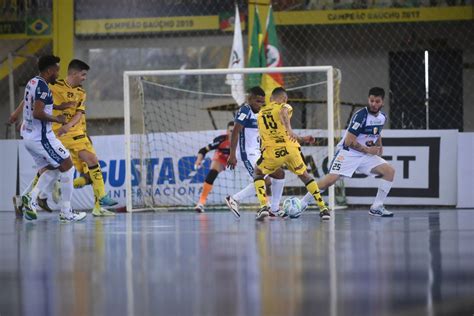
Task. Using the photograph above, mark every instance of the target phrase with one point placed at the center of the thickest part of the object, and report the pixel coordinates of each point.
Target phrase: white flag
(236, 81)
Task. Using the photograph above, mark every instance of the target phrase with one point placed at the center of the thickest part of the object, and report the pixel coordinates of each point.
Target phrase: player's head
(256, 98)
(77, 72)
(376, 96)
(230, 127)
(48, 67)
(279, 95)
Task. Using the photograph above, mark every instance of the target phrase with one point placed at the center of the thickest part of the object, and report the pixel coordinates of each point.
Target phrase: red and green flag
(272, 56)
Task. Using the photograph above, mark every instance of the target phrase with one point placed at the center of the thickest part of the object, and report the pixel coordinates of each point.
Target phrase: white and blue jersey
(249, 141)
(34, 129)
(366, 127)
(38, 135)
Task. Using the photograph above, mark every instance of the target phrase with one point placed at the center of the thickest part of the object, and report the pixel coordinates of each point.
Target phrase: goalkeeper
(221, 145)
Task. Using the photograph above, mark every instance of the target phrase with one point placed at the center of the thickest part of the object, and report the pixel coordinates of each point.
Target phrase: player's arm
(40, 114)
(356, 127)
(16, 114)
(234, 138)
(64, 105)
(285, 120)
(378, 143)
(66, 127)
(203, 151)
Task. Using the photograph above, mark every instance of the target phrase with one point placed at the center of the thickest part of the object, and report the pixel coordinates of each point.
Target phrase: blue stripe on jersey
(47, 145)
(243, 153)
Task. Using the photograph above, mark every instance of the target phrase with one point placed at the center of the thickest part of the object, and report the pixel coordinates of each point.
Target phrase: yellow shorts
(75, 144)
(276, 157)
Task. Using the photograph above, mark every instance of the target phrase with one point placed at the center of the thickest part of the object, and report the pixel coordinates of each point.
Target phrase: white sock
(246, 192)
(308, 198)
(29, 187)
(382, 192)
(66, 190)
(277, 192)
(49, 189)
(44, 181)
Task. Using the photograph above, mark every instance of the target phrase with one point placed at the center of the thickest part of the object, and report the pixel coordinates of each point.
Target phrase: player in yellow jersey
(280, 146)
(73, 134)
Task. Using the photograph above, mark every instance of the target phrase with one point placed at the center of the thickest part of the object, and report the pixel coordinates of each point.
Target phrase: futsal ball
(292, 207)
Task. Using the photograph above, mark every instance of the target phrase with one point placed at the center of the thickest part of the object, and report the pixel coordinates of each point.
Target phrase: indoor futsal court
(236, 158)
(179, 263)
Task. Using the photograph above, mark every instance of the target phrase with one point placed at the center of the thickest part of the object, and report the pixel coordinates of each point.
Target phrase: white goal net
(171, 114)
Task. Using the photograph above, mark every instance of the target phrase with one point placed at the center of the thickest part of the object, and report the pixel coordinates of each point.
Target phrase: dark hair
(256, 91)
(278, 91)
(231, 123)
(47, 61)
(77, 64)
(377, 92)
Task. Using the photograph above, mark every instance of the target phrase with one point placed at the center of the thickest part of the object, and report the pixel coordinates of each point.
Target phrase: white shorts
(49, 152)
(346, 163)
(249, 159)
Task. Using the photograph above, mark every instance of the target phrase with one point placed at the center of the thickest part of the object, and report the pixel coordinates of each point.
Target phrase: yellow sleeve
(81, 106)
(290, 109)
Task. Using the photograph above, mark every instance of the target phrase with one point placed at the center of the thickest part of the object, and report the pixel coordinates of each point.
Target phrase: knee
(211, 176)
(92, 160)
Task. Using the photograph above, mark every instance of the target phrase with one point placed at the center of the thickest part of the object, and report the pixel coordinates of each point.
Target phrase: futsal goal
(171, 114)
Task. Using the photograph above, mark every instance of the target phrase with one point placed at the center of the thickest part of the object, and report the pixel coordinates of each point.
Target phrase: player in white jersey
(360, 150)
(245, 134)
(42, 144)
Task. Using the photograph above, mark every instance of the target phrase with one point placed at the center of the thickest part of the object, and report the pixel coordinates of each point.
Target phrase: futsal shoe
(233, 205)
(107, 201)
(56, 194)
(72, 216)
(325, 215)
(43, 203)
(99, 211)
(262, 213)
(199, 208)
(29, 207)
(18, 205)
(380, 211)
(280, 213)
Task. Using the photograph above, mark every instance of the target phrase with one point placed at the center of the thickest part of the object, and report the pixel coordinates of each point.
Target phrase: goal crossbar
(329, 70)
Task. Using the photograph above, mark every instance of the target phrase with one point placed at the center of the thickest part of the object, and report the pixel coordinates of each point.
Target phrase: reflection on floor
(421, 262)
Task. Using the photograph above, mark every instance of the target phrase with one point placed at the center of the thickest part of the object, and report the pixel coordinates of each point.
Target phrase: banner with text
(421, 159)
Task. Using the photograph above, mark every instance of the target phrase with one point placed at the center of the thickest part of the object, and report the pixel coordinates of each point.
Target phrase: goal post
(153, 80)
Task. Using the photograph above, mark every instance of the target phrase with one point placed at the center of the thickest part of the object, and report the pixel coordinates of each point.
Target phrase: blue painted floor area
(421, 262)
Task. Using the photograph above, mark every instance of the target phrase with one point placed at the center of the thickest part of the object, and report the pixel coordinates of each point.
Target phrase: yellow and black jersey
(63, 92)
(271, 129)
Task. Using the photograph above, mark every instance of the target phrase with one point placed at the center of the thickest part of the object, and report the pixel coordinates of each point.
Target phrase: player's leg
(343, 164)
(42, 160)
(66, 178)
(101, 198)
(233, 201)
(313, 189)
(216, 167)
(267, 164)
(260, 189)
(17, 200)
(296, 163)
(388, 173)
(323, 184)
(277, 182)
